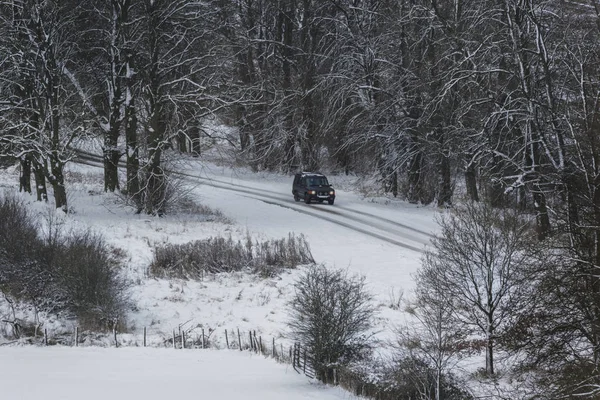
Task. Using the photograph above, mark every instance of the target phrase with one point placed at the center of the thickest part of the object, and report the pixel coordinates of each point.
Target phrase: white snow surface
(94, 373)
(219, 302)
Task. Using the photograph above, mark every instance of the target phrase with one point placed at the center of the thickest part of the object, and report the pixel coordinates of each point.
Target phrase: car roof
(311, 174)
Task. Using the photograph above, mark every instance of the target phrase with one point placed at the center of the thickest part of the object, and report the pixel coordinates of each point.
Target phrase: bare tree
(331, 314)
(45, 119)
(105, 76)
(178, 67)
(433, 337)
(476, 265)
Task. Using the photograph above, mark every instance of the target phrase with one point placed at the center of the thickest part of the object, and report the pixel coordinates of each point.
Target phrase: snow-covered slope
(225, 301)
(93, 373)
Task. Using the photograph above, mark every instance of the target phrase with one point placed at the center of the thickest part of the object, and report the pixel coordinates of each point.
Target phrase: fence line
(296, 355)
(234, 339)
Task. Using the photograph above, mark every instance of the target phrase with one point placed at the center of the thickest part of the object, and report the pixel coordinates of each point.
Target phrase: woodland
(492, 102)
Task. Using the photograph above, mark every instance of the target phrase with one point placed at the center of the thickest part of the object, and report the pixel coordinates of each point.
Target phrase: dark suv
(312, 186)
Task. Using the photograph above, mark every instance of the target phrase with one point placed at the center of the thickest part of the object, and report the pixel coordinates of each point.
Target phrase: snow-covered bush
(217, 254)
(87, 271)
(411, 377)
(69, 273)
(331, 314)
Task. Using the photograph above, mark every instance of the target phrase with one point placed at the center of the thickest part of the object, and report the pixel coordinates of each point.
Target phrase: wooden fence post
(202, 337)
(144, 336)
(45, 337)
(226, 338)
(273, 352)
(115, 333)
(304, 361)
(294, 355)
(76, 336)
(239, 339)
(251, 343)
(183, 339)
(174, 343)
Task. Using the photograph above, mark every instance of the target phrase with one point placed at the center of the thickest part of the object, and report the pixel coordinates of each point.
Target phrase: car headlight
(332, 192)
(312, 192)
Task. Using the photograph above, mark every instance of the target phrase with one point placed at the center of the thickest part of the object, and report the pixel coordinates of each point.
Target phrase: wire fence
(180, 338)
(294, 354)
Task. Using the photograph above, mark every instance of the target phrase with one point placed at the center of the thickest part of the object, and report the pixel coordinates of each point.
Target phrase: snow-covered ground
(239, 301)
(226, 301)
(93, 373)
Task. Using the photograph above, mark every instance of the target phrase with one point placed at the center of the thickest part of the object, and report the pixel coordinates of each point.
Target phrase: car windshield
(318, 181)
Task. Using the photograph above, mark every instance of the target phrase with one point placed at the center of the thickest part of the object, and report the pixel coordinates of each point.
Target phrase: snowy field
(236, 301)
(225, 301)
(93, 373)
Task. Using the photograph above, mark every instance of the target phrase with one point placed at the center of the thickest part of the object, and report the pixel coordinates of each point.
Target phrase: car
(311, 186)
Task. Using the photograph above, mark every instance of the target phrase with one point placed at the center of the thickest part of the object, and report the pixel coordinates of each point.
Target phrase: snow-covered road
(381, 241)
(384, 242)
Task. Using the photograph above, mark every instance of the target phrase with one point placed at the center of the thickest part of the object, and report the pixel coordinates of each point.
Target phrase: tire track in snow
(96, 161)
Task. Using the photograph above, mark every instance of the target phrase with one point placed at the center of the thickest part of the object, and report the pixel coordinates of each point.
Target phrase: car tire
(296, 198)
(331, 201)
(306, 198)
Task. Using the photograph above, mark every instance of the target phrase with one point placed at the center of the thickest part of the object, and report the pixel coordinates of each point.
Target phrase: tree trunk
(57, 180)
(111, 138)
(471, 182)
(56, 173)
(309, 147)
(445, 190)
(25, 175)
(182, 142)
(489, 357)
(195, 137)
(155, 180)
(133, 162)
(414, 177)
(495, 191)
(39, 175)
(594, 275)
(111, 162)
(287, 54)
(394, 183)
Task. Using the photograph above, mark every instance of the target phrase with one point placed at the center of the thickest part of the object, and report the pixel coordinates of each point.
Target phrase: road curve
(375, 226)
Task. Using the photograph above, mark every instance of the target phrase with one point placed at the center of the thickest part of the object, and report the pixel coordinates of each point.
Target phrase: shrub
(161, 192)
(24, 274)
(289, 253)
(214, 255)
(87, 272)
(19, 239)
(409, 377)
(331, 314)
(74, 273)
